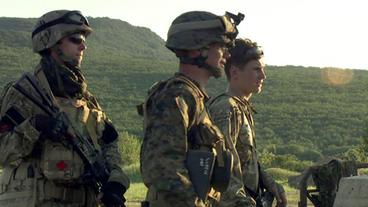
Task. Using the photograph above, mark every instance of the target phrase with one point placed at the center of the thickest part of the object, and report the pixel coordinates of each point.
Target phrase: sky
(321, 33)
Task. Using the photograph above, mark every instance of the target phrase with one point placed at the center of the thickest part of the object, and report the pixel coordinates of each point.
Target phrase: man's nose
(83, 46)
(263, 75)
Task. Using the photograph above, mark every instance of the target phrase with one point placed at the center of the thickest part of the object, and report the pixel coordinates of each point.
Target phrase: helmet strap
(200, 61)
(67, 60)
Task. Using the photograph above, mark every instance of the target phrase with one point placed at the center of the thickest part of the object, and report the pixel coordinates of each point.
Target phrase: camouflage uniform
(176, 123)
(46, 171)
(233, 116)
(173, 108)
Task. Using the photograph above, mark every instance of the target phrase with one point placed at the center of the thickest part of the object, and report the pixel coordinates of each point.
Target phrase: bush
(358, 154)
(281, 174)
(335, 150)
(290, 149)
(290, 162)
(266, 158)
(363, 171)
(301, 152)
(130, 148)
(133, 172)
(311, 155)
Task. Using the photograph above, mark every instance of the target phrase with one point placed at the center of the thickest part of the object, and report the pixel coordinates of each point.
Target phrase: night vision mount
(235, 18)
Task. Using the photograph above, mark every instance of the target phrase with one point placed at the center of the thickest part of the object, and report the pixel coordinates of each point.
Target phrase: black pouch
(200, 165)
(222, 173)
(11, 118)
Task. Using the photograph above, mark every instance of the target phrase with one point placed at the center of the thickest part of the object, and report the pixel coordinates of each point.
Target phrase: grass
(292, 195)
(137, 190)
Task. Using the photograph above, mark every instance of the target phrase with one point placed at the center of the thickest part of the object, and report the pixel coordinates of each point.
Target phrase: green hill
(303, 113)
(110, 37)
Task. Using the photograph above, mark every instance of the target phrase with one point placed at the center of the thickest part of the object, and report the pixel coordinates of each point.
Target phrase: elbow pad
(109, 134)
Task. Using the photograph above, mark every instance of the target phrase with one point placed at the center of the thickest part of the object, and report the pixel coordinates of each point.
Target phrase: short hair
(244, 51)
(44, 53)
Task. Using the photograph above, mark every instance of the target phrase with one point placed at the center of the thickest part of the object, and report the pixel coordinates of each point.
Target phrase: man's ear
(194, 53)
(55, 52)
(233, 71)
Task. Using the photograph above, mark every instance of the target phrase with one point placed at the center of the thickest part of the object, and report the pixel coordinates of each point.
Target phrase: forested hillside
(304, 114)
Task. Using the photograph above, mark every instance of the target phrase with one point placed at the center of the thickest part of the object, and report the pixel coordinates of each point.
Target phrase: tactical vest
(53, 171)
(246, 138)
(202, 133)
(212, 135)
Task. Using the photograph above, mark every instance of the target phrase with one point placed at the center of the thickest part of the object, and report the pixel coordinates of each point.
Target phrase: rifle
(96, 172)
(265, 199)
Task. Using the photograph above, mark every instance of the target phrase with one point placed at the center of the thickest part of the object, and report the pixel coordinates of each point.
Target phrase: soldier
(58, 148)
(180, 141)
(232, 113)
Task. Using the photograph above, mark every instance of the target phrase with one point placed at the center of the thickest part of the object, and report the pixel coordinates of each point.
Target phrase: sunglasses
(77, 39)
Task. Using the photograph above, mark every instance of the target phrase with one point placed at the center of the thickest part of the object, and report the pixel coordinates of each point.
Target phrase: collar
(243, 101)
(193, 83)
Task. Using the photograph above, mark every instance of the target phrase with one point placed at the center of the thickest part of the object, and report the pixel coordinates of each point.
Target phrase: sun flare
(336, 76)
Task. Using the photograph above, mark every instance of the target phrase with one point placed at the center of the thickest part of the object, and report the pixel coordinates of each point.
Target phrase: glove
(53, 128)
(113, 195)
(109, 134)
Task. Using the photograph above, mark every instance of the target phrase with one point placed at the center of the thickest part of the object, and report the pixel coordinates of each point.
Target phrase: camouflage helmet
(55, 25)
(197, 29)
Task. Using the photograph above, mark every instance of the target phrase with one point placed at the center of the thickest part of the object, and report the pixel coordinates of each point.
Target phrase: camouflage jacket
(233, 116)
(172, 108)
(25, 157)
